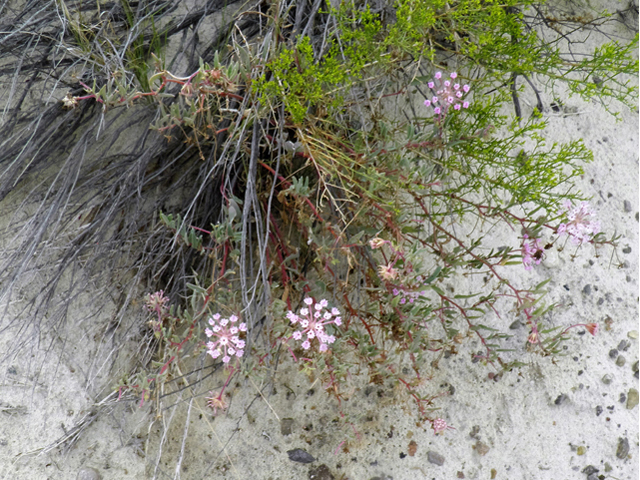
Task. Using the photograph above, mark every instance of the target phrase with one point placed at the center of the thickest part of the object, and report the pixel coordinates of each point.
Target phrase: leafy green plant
(335, 194)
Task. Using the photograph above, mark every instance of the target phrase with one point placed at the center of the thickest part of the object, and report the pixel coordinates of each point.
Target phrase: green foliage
(382, 206)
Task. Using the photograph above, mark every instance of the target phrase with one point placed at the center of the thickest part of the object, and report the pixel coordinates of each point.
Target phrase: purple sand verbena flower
(447, 94)
(532, 252)
(312, 320)
(224, 337)
(581, 224)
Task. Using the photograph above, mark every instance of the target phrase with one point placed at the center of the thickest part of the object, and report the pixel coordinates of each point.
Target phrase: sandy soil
(549, 420)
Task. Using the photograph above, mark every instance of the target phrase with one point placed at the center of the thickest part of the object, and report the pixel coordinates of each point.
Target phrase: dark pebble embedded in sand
(623, 448)
(624, 345)
(300, 456)
(435, 458)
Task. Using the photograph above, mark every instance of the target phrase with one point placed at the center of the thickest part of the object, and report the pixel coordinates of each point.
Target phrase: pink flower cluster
(408, 295)
(447, 94)
(581, 225)
(312, 320)
(225, 340)
(532, 252)
(439, 425)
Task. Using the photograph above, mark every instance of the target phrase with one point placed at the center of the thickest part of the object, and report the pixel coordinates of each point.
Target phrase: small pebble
(607, 379)
(633, 334)
(623, 448)
(382, 477)
(635, 366)
(613, 353)
(300, 456)
(607, 467)
(624, 345)
(620, 360)
(627, 206)
(632, 398)
(435, 458)
(623, 397)
(482, 448)
(286, 426)
(587, 290)
(561, 398)
(589, 469)
(593, 476)
(515, 325)
(581, 450)
(626, 249)
(88, 473)
(598, 410)
(321, 473)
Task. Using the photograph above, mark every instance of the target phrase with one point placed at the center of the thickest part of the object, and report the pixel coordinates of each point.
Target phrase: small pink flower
(378, 242)
(312, 324)
(437, 110)
(215, 402)
(581, 225)
(438, 75)
(465, 105)
(592, 328)
(453, 75)
(224, 340)
(431, 84)
(439, 425)
(427, 103)
(387, 272)
(466, 88)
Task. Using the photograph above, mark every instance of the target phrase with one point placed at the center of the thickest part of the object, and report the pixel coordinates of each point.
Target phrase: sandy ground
(551, 419)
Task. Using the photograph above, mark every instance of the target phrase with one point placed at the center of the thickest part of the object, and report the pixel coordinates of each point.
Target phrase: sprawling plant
(360, 161)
